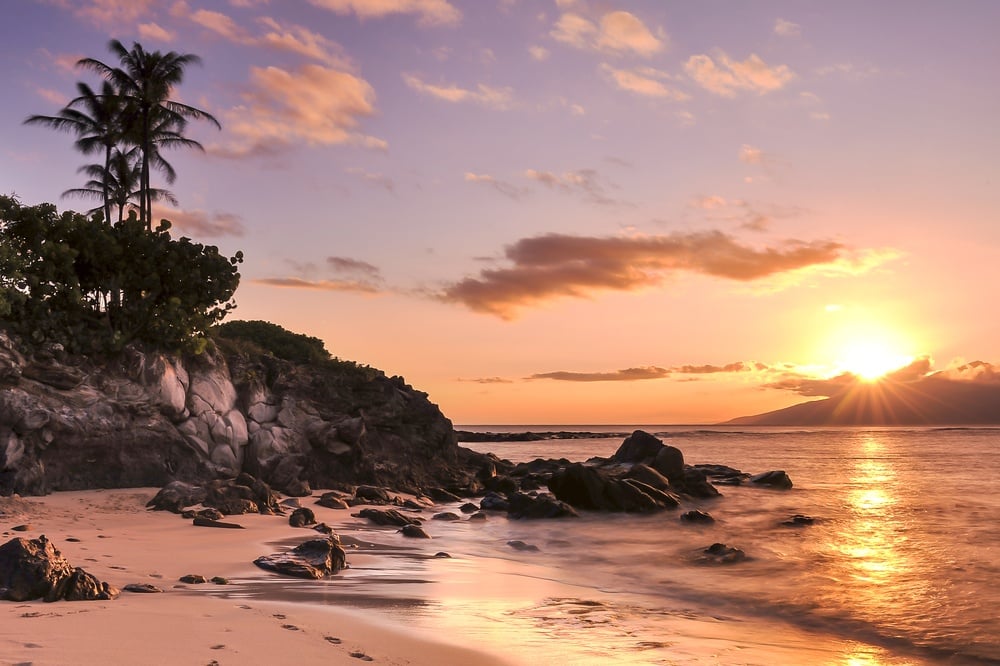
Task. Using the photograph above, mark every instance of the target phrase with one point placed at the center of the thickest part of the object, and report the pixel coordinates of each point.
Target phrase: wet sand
(121, 543)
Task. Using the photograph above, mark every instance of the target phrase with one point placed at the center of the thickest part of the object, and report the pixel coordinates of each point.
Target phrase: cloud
(539, 53)
(499, 98)
(53, 96)
(503, 187)
(346, 265)
(200, 223)
(376, 179)
(849, 71)
(709, 202)
(739, 366)
(156, 33)
(318, 285)
(313, 104)
(430, 12)
(487, 380)
(107, 13)
(727, 77)
(557, 265)
(787, 28)
(645, 81)
(617, 32)
(344, 274)
(626, 375)
(585, 182)
(751, 155)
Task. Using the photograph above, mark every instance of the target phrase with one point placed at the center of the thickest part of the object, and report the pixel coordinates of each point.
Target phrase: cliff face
(148, 419)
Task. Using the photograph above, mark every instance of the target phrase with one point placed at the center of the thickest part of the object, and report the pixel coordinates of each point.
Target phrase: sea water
(900, 566)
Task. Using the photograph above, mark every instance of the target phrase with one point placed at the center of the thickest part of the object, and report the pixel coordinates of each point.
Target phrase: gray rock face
(147, 419)
(35, 569)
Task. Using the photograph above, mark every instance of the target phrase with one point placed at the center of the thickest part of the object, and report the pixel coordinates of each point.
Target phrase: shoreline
(121, 542)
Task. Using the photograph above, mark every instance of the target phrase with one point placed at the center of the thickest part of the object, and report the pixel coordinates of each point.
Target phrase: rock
(35, 569)
(316, 558)
(60, 377)
(209, 513)
(142, 588)
(298, 488)
(695, 484)
(373, 495)
(387, 517)
(413, 505)
(639, 447)
(21, 528)
(584, 487)
(446, 515)
(469, 507)
(494, 502)
(219, 580)
(176, 495)
(648, 475)
(695, 516)
(478, 516)
(774, 479)
(799, 520)
(543, 505)
(415, 532)
(520, 545)
(302, 517)
(669, 462)
(210, 522)
(331, 500)
(237, 507)
(442, 555)
(323, 528)
(193, 579)
(442, 496)
(720, 553)
(290, 503)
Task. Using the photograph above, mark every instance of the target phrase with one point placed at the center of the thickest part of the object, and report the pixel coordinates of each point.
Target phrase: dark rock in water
(209, 513)
(142, 588)
(720, 553)
(442, 496)
(219, 580)
(586, 488)
(669, 462)
(387, 517)
(695, 484)
(639, 447)
(446, 515)
(648, 475)
(193, 579)
(21, 528)
(494, 502)
(331, 500)
(176, 495)
(442, 555)
(543, 466)
(413, 505)
(517, 544)
(415, 532)
(302, 517)
(35, 569)
(501, 484)
(774, 479)
(469, 507)
(799, 520)
(373, 495)
(523, 505)
(317, 558)
(478, 516)
(695, 516)
(209, 522)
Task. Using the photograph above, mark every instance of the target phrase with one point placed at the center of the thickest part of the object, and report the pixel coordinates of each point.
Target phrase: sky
(573, 211)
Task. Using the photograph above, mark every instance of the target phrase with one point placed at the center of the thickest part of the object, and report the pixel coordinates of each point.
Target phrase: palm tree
(119, 182)
(96, 119)
(145, 81)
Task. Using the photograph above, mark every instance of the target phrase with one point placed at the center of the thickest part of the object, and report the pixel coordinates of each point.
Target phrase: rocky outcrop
(316, 558)
(147, 418)
(35, 569)
(584, 487)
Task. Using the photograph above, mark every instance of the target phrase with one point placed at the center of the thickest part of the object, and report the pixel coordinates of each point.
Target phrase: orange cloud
(557, 265)
(319, 285)
(498, 98)
(200, 223)
(107, 13)
(727, 77)
(645, 81)
(617, 32)
(431, 12)
(313, 104)
(626, 375)
(155, 32)
(585, 182)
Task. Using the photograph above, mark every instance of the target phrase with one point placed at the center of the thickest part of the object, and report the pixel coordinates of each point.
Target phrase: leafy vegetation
(94, 287)
(275, 340)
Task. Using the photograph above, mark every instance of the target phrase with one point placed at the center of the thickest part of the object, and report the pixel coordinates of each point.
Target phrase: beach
(121, 542)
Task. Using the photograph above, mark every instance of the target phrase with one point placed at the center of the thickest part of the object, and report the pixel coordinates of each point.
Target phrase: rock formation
(35, 569)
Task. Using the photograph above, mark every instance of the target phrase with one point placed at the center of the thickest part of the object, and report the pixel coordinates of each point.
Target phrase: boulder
(414, 532)
(35, 569)
(543, 505)
(176, 495)
(142, 588)
(694, 483)
(669, 461)
(639, 447)
(387, 517)
(331, 500)
(799, 520)
(720, 553)
(584, 487)
(696, 516)
(517, 544)
(648, 475)
(316, 558)
(210, 522)
(373, 495)
(302, 517)
(494, 502)
(447, 516)
(776, 479)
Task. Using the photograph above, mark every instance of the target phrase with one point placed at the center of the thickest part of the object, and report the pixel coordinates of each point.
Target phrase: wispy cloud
(343, 274)
(200, 223)
(584, 182)
(156, 33)
(725, 76)
(501, 186)
(107, 13)
(787, 28)
(487, 380)
(498, 98)
(539, 53)
(377, 179)
(617, 32)
(751, 154)
(313, 104)
(644, 81)
(626, 375)
(318, 285)
(556, 265)
(430, 12)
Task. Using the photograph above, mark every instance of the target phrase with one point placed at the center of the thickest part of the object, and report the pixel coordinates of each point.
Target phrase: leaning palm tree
(145, 80)
(96, 119)
(120, 182)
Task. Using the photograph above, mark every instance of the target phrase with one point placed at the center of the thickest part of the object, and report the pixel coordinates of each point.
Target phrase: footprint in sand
(362, 656)
(218, 647)
(290, 627)
(333, 639)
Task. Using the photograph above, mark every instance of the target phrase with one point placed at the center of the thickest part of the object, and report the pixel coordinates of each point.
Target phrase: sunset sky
(573, 211)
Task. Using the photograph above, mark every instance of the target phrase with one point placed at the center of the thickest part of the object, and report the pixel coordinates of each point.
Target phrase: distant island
(932, 400)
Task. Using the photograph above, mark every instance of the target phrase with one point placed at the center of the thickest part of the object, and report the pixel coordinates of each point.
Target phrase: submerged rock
(799, 520)
(387, 517)
(543, 505)
(584, 487)
(774, 479)
(720, 553)
(696, 516)
(415, 532)
(35, 569)
(316, 558)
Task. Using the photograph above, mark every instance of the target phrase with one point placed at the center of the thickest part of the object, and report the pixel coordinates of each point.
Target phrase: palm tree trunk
(107, 199)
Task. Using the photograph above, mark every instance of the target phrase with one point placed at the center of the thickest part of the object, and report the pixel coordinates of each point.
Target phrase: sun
(871, 360)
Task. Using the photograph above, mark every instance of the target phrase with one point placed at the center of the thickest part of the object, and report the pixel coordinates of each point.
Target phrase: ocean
(900, 566)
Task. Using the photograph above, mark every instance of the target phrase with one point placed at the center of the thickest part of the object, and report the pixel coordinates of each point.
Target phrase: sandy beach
(111, 534)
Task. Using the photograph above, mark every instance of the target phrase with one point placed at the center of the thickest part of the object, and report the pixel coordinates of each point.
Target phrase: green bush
(275, 340)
